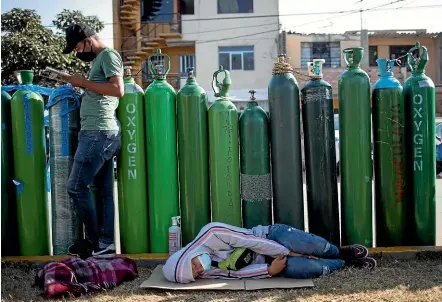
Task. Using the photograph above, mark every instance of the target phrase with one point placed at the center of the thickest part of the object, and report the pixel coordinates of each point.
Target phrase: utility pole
(364, 42)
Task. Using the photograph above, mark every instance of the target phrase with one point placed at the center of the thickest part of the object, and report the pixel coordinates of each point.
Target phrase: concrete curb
(406, 252)
(152, 260)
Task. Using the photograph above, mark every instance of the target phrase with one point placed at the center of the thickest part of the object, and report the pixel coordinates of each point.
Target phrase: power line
(236, 37)
(239, 17)
(269, 31)
(213, 30)
(284, 15)
(299, 25)
(334, 17)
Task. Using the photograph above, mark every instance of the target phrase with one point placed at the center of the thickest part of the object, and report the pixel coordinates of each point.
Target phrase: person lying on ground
(222, 251)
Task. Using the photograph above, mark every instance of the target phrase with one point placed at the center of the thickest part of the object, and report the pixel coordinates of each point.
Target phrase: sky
(399, 17)
(47, 9)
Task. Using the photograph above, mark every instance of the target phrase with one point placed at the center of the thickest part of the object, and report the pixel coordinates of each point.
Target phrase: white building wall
(211, 34)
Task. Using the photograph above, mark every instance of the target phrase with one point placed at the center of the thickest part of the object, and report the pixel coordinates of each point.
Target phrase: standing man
(99, 139)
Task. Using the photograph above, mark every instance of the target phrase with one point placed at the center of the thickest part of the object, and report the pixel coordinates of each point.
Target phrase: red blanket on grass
(77, 276)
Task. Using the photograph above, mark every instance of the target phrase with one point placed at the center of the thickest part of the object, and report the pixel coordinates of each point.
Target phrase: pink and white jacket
(219, 240)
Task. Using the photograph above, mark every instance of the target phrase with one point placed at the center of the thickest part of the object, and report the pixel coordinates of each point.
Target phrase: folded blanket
(77, 276)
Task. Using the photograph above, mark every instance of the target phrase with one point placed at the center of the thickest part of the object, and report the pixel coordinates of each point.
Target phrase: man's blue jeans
(93, 162)
(308, 244)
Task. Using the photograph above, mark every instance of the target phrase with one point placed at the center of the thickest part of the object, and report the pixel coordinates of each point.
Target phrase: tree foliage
(68, 17)
(27, 44)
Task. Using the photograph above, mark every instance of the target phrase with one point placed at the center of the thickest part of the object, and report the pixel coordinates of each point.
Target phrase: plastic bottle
(175, 235)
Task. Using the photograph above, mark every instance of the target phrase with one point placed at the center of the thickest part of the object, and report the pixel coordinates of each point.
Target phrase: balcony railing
(172, 78)
(150, 30)
(163, 24)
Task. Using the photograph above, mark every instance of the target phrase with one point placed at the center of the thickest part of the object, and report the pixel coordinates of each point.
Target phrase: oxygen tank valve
(221, 89)
(281, 58)
(159, 69)
(315, 68)
(190, 72)
(252, 95)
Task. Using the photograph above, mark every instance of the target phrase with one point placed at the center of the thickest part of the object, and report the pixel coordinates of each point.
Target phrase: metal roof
(397, 33)
(389, 33)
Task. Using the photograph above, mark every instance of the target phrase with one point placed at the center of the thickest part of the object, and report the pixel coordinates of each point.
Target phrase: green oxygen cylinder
(419, 93)
(320, 155)
(224, 154)
(256, 190)
(355, 151)
(131, 170)
(162, 166)
(9, 222)
(389, 157)
(29, 143)
(285, 136)
(194, 158)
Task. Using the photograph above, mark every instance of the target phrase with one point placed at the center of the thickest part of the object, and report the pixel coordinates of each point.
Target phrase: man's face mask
(86, 56)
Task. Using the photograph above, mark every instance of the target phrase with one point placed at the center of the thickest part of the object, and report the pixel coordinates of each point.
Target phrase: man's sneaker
(366, 262)
(109, 251)
(81, 248)
(350, 253)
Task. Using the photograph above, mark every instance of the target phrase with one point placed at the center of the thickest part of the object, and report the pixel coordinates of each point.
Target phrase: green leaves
(68, 17)
(21, 20)
(27, 44)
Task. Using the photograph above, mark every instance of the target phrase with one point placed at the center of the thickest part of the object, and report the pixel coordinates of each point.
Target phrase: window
(157, 10)
(329, 51)
(235, 6)
(237, 58)
(156, 60)
(146, 76)
(165, 13)
(187, 7)
(398, 51)
(372, 55)
(186, 61)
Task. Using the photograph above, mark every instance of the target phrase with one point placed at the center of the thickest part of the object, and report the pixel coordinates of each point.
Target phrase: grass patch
(394, 281)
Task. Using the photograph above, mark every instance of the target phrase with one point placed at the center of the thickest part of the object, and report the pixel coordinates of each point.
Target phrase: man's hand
(278, 265)
(76, 80)
(115, 86)
(293, 254)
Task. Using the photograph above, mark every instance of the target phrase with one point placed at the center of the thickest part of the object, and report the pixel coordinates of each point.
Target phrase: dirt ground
(417, 280)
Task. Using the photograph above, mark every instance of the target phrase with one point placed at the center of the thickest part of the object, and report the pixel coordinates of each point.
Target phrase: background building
(302, 48)
(202, 34)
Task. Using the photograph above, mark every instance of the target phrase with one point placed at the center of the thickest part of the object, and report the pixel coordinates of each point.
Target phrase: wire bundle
(282, 66)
